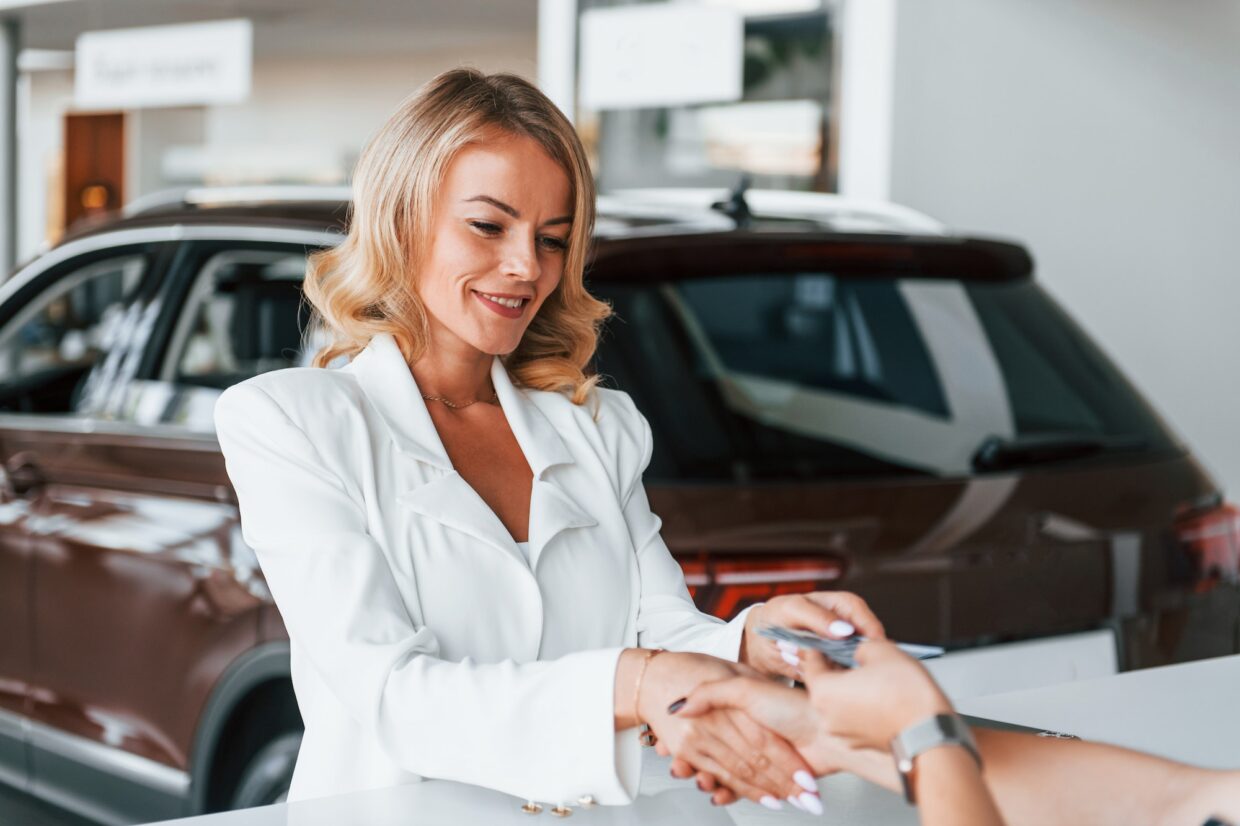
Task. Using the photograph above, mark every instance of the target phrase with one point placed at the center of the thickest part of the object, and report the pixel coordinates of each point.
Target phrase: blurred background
(1099, 135)
(1102, 133)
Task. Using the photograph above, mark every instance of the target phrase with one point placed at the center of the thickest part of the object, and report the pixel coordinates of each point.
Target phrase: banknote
(842, 651)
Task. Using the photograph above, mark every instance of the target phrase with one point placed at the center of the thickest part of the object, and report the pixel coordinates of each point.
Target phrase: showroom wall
(305, 121)
(1106, 135)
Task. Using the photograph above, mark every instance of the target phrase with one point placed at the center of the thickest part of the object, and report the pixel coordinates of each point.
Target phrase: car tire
(266, 777)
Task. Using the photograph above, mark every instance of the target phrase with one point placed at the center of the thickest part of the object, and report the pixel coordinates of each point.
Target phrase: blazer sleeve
(666, 614)
(542, 730)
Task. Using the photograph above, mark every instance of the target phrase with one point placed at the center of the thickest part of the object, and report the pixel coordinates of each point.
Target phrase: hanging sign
(660, 54)
(183, 65)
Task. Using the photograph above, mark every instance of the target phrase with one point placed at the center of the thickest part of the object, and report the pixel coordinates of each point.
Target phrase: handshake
(741, 732)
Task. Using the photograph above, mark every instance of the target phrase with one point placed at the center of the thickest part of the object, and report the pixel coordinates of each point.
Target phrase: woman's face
(500, 228)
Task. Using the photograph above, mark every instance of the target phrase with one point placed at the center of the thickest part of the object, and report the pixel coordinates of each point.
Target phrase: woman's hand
(870, 704)
(834, 614)
(725, 744)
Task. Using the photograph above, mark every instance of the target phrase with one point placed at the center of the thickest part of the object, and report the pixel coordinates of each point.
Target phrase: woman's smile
(507, 306)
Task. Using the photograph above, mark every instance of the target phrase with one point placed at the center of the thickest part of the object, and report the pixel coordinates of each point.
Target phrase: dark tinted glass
(793, 376)
(242, 315)
(812, 330)
(75, 342)
(1058, 381)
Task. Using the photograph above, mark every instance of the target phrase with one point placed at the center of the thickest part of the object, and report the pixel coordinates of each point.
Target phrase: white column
(557, 53)
(10, 43)
(867, 76)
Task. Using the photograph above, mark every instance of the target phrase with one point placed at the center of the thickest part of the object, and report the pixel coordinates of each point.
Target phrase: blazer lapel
(449, 499)
(552, 508)
(389, 385)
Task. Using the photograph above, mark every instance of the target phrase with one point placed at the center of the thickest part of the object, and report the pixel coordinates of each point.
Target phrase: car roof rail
(209, 196)
(838, 211)
(682, 206)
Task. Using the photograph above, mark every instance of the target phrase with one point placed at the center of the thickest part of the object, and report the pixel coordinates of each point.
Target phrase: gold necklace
(493, 400)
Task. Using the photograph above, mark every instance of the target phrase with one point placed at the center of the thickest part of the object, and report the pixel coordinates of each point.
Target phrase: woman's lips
(500, 309)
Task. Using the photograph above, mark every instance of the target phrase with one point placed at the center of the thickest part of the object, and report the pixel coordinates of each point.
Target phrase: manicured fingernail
(770, 802)
(785, 646)
(841, 628)
(811, 803)
(806, 781)
(796, 804)
(677, 706)
(792, 659)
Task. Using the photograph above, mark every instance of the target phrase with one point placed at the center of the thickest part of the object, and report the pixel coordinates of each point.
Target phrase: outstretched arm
(1032, 780)
(1038, 780)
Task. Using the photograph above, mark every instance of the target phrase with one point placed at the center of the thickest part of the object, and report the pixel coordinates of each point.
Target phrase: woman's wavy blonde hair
(365, 285)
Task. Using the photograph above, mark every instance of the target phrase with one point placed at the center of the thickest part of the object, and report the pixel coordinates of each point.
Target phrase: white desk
(1188, 712)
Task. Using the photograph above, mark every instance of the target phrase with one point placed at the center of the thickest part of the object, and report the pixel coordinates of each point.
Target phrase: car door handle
(22, 475)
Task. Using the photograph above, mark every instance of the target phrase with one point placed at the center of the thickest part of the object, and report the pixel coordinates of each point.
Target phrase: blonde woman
(453, 525)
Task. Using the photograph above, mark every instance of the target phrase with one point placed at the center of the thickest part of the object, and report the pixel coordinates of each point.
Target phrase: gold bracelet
(637, 686)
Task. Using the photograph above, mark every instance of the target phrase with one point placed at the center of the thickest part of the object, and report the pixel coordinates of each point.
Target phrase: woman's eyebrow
(498, 204)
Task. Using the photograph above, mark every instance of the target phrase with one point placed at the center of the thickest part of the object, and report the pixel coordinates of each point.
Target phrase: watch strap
(932, 732)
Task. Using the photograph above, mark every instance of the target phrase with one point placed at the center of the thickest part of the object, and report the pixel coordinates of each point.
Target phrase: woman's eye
(554, 243)
(485, 227)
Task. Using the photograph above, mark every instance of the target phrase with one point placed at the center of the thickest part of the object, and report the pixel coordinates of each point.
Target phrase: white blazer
(423, 645)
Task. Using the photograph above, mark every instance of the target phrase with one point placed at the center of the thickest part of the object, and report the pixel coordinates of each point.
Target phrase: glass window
(1057, 380)
(71, 343)
(245, 316)
(810, 376)
(813, 330)
(779, 132)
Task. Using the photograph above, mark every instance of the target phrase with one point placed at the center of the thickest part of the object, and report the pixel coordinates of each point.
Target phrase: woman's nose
(521, 261)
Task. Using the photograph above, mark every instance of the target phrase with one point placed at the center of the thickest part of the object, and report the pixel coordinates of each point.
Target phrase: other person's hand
(868, 705)
(725, 745)
(834, 614)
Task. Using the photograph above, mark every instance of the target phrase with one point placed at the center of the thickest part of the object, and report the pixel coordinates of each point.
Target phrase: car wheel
(266, 778)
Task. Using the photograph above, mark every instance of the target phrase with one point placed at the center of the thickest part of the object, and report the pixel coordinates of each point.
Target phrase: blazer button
(560, 810)
(587, 801)
(531, 808)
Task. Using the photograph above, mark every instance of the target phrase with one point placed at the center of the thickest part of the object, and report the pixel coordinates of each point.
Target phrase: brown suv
(840, 398)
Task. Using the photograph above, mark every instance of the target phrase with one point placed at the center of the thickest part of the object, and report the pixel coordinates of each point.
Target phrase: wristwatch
(920, 737)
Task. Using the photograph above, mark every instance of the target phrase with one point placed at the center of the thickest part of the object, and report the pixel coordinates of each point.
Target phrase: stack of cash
(841, 651)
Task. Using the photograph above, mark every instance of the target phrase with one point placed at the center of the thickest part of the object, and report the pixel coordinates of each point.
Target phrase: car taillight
(1211, 538)
(724, 586)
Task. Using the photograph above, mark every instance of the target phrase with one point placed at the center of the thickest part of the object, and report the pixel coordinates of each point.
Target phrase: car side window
(68, 345)
(243, 314)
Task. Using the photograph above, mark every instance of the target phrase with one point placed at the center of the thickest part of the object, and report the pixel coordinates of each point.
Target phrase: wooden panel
(94, 178)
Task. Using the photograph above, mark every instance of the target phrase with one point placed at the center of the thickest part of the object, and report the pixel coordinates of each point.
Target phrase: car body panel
(157, 597)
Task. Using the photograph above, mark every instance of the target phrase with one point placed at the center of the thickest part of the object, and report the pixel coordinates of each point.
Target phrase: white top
(420, 638)
(525, 549)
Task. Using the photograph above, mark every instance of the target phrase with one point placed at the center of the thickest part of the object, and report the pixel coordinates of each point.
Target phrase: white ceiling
(333, 28)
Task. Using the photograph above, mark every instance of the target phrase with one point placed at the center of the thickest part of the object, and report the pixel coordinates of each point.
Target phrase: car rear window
(802, 375)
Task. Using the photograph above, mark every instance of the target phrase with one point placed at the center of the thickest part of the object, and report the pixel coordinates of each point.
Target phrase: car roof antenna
(735, 206)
